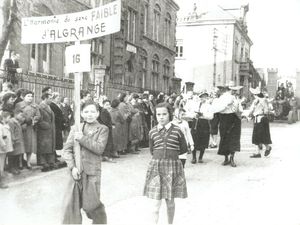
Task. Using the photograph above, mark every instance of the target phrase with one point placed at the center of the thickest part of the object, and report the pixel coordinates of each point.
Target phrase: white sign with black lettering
(77, 26)
(78, 58)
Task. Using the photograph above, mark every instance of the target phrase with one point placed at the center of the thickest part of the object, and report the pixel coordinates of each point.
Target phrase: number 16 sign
(78, 58)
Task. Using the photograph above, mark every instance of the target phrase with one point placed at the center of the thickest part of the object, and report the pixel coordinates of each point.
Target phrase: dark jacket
(59, 122)
(46, 130)
(105, 119)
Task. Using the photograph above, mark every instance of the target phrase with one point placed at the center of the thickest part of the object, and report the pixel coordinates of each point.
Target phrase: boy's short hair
(45, 95)
(90, 102)
(45, 89)
(26, 92)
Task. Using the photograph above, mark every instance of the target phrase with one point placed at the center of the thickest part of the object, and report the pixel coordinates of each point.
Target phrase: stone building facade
(143, 52)
(213, 48)
(140, 57)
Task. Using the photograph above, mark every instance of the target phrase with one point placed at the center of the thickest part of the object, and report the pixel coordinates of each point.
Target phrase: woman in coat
(32, 115)
(135, 126)
(15, 157)
(125, 112)
(46, 135)
(117, 132)
(59, 120)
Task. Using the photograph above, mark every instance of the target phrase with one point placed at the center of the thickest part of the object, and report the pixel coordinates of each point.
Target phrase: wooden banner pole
(77, 79)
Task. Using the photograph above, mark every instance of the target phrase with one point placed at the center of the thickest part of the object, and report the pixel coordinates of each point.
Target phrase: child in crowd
(184, 127)
(165, 176)
(15, 157)
(5, 142)
(92, 140)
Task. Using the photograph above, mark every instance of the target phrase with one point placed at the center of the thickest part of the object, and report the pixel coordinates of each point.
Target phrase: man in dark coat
(46, 135)
(11, 66)
(59, 120)
(105, 119)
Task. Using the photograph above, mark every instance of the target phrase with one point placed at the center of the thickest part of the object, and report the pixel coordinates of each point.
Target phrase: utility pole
(215, 36)
(225, 58)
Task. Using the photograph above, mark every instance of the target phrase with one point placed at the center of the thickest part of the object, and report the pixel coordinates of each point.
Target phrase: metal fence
(37, 81)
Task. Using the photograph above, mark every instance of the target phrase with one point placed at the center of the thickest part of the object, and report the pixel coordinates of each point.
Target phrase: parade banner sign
(78, 26)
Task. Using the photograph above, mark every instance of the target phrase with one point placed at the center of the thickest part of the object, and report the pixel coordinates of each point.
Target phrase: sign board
(78, 58)
(78, 26)
(131, 48)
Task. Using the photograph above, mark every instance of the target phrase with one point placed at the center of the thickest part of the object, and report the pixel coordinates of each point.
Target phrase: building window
(97, 52)
(143, 66)
(166, 75)
(236, 46)
(167, 30)
(46, 49)
(131, 25)
(144, 71)
(146, 12)
(156, 22)
(33, 51)
(129, 66)
(247, 55)
(179, 51)
(155, 72)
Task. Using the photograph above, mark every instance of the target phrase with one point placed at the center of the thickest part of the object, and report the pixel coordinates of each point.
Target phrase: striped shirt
(171, 139)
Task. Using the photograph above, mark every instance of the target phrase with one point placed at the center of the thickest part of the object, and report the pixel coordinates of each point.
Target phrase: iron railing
(35, 82)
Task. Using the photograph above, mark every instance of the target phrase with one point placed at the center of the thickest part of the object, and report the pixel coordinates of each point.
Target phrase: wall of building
(197, 63)
(272, 82)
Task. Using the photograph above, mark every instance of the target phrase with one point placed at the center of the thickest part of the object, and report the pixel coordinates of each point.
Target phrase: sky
(273, 27)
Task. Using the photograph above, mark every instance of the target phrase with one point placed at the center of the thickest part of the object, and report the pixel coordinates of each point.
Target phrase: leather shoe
(226, 162)
(258, 155)
(268, 151)
(232, 163)
(45, 169)
(194, 161)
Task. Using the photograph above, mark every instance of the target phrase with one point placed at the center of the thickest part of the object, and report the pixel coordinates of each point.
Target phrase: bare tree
(6, 23)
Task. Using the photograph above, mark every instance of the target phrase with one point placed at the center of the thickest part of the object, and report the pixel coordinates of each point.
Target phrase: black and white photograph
(149, 112)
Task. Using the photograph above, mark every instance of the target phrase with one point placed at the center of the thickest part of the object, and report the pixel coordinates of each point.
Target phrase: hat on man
(254, 91)
(231, 85)
(202, 93)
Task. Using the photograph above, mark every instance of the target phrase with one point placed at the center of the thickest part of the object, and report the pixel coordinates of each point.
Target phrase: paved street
(259, 191)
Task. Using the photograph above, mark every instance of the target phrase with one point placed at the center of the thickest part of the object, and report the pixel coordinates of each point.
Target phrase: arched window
(167, 30)
(143, 62)
(166, 75)
(131, 25)
(156, 22)
(155, 72)
(129, 66)
(146, 15)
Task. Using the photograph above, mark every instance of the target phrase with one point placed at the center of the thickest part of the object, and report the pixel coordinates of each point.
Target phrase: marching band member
(200, 127)
(229, 108)
(214, 123)
(261, 130)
